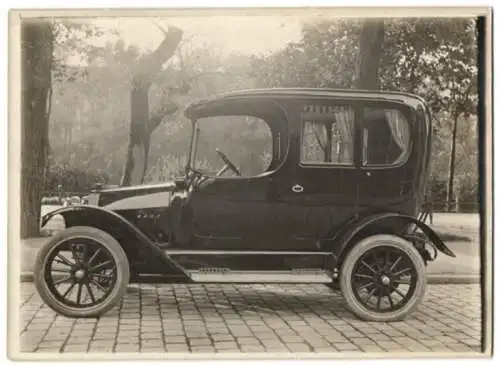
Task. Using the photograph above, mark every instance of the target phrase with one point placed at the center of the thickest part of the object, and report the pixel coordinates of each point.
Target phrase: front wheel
(383, 278)
(81, 272)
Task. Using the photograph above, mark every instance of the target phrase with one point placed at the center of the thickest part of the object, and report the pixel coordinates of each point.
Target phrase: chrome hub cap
(79, 274)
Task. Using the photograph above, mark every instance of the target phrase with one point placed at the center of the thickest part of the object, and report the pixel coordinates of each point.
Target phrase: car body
(347, 170)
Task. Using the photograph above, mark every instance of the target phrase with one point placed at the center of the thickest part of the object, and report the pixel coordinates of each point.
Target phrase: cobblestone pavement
(252, 318)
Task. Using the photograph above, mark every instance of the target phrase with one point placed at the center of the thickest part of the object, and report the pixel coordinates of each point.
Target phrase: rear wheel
(383, 278)
(81, 272)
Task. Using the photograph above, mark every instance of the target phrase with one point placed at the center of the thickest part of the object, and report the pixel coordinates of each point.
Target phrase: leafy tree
(325, 56)
(437, 59)
(90, 118)
(79, 93)
(73, 40)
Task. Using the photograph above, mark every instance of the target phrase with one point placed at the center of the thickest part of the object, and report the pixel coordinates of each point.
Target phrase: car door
(323, 190)
(229, 213)
(388, 165)
(246, 226)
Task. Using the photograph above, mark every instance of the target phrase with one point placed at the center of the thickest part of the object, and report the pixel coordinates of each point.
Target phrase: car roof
(196, 109)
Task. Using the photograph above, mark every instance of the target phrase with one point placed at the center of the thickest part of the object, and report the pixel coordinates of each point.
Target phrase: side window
(386, 137)
(327, 135)
(247, 142)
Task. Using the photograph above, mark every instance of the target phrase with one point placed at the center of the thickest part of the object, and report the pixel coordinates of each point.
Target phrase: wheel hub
(379, 279)
(79, 274)
(385, 280)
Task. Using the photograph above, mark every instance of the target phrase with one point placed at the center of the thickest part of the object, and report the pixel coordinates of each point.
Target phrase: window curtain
(314, 132)
(319, 132)
(345, 124)
(400, 128)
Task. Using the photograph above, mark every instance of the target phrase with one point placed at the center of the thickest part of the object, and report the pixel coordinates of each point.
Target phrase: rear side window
(386, 137)
(327, 135)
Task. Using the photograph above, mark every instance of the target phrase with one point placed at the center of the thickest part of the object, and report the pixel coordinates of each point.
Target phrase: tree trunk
(451, 167)
(37, 46)
(142, 124)
(135, 165)
(370, 53)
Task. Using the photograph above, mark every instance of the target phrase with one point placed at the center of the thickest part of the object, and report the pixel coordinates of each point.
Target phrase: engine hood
(136, 197)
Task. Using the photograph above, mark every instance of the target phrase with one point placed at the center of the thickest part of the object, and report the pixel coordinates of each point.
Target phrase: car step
(228, 276)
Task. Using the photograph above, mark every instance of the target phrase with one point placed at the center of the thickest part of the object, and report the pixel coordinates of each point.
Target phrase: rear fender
(344, 238)
(133, 241)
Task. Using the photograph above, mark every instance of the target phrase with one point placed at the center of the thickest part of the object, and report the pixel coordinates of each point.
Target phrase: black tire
(351, 276)
(106, 246)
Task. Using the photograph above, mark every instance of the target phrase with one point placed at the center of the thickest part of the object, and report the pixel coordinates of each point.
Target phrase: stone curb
(453, 279)
(432, 279)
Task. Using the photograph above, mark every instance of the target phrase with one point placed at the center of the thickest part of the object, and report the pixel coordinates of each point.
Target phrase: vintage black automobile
(337, 204)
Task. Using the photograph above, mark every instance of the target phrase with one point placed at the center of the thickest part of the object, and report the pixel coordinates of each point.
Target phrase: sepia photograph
(261, 183)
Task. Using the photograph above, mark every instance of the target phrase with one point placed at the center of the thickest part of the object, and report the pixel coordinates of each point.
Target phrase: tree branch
(148, 66)
(155, 120)
(161, 28)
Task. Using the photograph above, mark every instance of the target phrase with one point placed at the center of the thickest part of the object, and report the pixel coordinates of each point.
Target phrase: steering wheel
(228, 163)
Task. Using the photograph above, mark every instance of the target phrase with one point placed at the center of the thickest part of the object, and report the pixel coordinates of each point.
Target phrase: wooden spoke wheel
(383, 278)
(82, 272)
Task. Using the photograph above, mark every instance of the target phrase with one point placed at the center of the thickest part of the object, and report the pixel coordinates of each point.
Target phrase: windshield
(242, 142)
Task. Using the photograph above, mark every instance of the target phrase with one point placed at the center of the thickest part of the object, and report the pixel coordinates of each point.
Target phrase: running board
(228, 276)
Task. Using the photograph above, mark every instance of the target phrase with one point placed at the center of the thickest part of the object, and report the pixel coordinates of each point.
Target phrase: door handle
(297, 188)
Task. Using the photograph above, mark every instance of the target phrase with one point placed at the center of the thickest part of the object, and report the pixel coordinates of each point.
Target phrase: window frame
(402, 159)
(358, 106)
(273, 139)
(325, 164)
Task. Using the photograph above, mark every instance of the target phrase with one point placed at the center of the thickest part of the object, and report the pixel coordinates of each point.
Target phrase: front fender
(74, 215)
(130, 238)
(346, 234)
